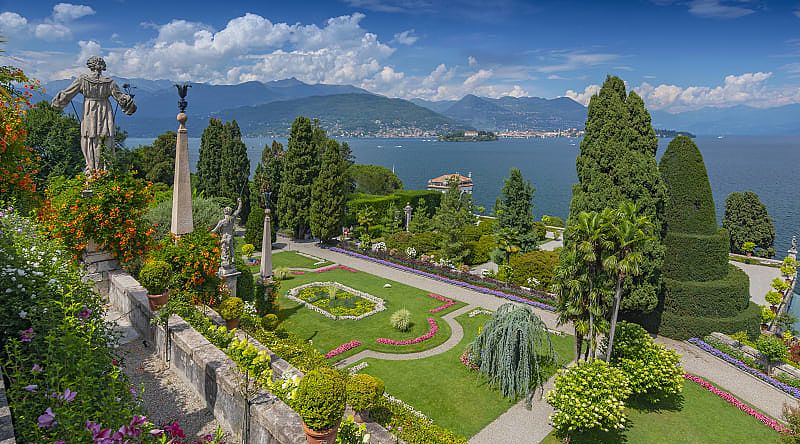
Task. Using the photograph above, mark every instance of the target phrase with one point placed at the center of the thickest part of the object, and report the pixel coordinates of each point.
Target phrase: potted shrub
(748, 248)
(774, 299)
(363, 393)
(320, 400)
(231, 309)
(155, 276)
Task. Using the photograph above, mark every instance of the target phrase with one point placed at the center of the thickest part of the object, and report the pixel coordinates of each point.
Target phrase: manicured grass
(328, 334)
(291, 259)
(447, 391)
(701, 417)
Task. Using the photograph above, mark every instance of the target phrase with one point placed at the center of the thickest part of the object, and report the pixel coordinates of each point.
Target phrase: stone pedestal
(98, 263)
(229, 276)
(182, 222)
(265, 272)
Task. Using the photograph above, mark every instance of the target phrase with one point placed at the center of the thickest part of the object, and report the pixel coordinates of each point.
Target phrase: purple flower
(31, 388)
(84, 314)
(68, 395)
(60, 442)
(47, 420)
(37, 368)
(26, 335)
(156, 433)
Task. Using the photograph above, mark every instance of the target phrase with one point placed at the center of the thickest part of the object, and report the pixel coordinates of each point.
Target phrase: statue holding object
(225, 228)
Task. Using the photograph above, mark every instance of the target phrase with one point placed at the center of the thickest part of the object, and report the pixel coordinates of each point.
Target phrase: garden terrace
(336, 301)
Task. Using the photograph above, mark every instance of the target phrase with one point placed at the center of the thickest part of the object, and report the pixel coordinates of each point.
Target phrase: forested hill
(351, 114)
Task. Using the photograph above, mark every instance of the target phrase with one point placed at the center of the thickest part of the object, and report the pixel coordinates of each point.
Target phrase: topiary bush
(401, 320)
(722, 297)
(155, 276)
(534, 269)
(702, 257)
(231, 308)
(270, 322)
(320, 398)
(678, 326)
(364, 391)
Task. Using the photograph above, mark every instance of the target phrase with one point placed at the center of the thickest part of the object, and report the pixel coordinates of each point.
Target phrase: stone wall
(213, 375)
(785, 369)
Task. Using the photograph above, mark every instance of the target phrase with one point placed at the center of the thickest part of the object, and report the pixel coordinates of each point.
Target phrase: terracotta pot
(321, 437)
(156, 301)
(232, 323)
(361, 417)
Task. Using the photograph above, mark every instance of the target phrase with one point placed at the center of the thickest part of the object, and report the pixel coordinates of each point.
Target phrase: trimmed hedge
(684, 327)
(722, 297)
(480, 251)
(690, 204)
(381, 204)
(696, 257)
(539, 265)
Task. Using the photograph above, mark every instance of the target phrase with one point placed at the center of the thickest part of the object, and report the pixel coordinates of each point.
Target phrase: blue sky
(679, 55)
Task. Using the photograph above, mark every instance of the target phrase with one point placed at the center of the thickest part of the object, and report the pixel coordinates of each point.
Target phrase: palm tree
(631, 233)
(508, 243)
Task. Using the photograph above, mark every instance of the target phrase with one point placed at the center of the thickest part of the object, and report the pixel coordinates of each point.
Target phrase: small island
(673, 133)
(468, 136)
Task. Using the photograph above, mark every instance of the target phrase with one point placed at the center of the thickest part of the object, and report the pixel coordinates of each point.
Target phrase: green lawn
(328, 334)
(291, 259)
(447, 391)
(703, 418)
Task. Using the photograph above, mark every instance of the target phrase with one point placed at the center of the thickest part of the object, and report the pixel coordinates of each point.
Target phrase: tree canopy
(374, 179)
(747, 220)
(156, 162)
(56, 138)
(328, 193)
(455, 212)
(514, 210)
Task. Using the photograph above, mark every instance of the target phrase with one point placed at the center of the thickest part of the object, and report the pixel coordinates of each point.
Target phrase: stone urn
(321, 436)
(157, 301)
(361, 417)
(232, 323)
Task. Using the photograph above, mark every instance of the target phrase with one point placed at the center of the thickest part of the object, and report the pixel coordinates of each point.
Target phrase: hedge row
(684, 327)
(381, 204)
(696, 257)
(722, 297)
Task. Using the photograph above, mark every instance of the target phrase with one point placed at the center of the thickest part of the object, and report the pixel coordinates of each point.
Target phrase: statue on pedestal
(225, 229)
(97, 122)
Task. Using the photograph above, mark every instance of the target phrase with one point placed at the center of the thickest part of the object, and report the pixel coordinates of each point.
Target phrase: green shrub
(245, 284)
(364, 391)
(767, 315)
(399, 241)
(553, 221)
(749, 223)
(773, 297)
(381, 204)
(589, 396)
(480, 250)
(231, 308)
(282, 273)
(656, 373)
(697, 257)
(195, 260)
(538, 265)
(630, 341)
(320, 398)
(541, 230)
(155, 276)
(270, 322)
(205, 214)
(773, 348)
(248, 249)
(678, 326)
(401, 320)
(266, 297)
(690, 204)
(723, 297)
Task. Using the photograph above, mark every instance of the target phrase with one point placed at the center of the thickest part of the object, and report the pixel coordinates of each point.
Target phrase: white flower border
(358, 367)
(379, 303)
(411, 409)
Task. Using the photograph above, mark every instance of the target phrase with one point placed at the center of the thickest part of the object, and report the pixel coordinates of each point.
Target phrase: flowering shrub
(343, 348)
(401, 320)
(732, 400)
(590, 395)
(112, 216)
(431, 333)
(447, 303)
(17, 160)
(195, 261)
(252, 360)
(352, 433)
(459, 282)
(746, 368)
(465, 359)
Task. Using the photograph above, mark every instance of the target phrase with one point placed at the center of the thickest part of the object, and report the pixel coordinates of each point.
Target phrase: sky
(678, 54)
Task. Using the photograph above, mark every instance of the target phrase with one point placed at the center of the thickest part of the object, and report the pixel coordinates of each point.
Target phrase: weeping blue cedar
(512, 350)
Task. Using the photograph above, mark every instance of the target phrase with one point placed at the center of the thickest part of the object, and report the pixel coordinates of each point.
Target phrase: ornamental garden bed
(293, 259)
(336, 301)
(328, 334)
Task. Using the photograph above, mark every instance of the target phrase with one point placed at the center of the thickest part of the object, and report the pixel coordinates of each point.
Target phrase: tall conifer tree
(514, 210)
(455, 212)
(300, 168)
(328, 193)
(617, 163)
(234, 172)
(208, 165)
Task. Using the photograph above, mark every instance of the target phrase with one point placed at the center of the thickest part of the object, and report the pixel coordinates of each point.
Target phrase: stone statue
(97, 123)
(225, 229)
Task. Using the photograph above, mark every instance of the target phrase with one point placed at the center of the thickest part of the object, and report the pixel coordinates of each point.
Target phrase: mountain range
(268, 108)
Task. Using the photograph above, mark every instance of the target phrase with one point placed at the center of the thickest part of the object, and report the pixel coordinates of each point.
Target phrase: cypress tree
(747, 220)
(267, 178)
(300, 167)
(703, 292)
(454, 213)
(617, 163)
(234, 172)
(514, 210)
(328, 194)
(208, 165)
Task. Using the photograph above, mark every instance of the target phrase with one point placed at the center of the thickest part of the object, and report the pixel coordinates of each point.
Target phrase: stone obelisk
(182, 222)
(266, 250)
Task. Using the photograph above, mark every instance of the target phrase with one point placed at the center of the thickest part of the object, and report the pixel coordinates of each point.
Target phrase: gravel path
(761, 278)
(456, 334)
(166, 397)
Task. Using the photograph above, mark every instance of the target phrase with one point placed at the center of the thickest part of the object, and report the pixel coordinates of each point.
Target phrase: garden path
(456, 334)
(761, 278)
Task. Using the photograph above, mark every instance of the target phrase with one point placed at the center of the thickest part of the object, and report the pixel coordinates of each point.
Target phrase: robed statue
(225, 229)
(97, 123)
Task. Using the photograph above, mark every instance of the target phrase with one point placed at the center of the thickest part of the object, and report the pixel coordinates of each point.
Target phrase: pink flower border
(343, 348)
(447, 303)
(431, 333)
(334, 267)
(732, 400)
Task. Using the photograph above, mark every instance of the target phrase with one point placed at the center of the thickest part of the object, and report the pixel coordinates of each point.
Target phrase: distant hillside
(513, 113)
(438, 107)
(350, 114)
(737, 120)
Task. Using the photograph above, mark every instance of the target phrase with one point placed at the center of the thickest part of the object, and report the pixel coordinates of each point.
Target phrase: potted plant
(155, 276)
(231, 309)
(748, 248)
(363, 393)
(320, 400)
(774, 299)
(247, 251)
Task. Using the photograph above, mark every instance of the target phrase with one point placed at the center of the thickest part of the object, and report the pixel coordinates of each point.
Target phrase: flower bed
(447, 303)
(307, 295)
(732, 400)
(431, 333)
(335, 267)
(744, 367)
(343, 348)
(457, 282)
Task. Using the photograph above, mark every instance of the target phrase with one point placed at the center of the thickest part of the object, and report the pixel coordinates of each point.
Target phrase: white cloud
(571, 61)
(51, 31)
(749, 89)
(12, 23)
(66, 12)
(478, 78)
(797, 12)
(406, 37)
(718, 9)
(555, 77)
(472, 61)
